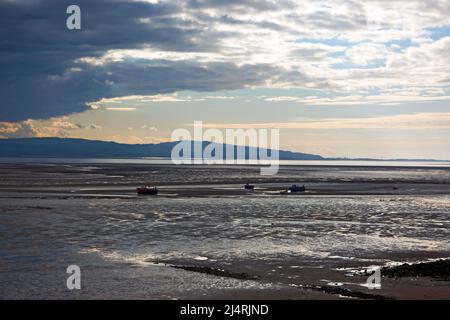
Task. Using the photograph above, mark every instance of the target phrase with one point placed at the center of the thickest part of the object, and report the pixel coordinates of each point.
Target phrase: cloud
(150, 128)
(382, 99)
(418, 121)
(157, 48)
(220, 97)
(388, 97)
(282, 98)
(50, 71)
(174, 97)
(8, 127)
(25, 129)
(119, 109)
(29, 129)
(93, 127)
(365, 53)
(136, 139)
(57, 127)
(65, 124)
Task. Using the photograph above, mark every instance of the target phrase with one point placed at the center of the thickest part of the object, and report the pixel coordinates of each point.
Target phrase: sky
(339, 78)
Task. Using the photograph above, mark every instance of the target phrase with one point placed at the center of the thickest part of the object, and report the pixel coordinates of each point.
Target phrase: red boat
(147, 190)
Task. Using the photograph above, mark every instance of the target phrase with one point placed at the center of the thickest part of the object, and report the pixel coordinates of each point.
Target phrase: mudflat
(204, 236)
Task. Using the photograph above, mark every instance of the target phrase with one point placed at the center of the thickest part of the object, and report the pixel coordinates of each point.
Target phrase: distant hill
(81, 148)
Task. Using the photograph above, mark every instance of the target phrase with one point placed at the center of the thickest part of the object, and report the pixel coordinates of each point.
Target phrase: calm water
(150, 161)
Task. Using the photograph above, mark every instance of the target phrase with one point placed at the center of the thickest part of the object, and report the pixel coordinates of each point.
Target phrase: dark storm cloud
(38, 52)
(139, 77)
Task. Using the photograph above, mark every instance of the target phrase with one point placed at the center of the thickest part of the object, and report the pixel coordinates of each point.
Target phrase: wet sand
(190, 181)
(37, 190)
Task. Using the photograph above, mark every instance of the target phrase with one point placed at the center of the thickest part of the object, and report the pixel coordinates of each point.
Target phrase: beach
(205, 237)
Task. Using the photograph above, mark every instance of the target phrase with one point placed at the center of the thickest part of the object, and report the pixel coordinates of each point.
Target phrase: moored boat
(147, 190)
(297, 188)
(249, 186)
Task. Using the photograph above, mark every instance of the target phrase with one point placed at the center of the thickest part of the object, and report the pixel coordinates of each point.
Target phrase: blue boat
(297, 188)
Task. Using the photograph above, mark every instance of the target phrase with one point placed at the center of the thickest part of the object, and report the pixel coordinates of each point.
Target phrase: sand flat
(204, 236)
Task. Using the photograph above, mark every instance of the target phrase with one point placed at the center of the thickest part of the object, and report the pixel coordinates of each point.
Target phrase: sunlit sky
(339, 78)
